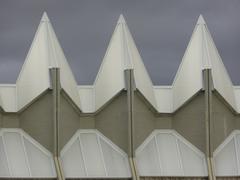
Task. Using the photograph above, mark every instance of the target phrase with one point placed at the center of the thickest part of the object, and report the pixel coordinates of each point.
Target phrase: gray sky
(161, 29)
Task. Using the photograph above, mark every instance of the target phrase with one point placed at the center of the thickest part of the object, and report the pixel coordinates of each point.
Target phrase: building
(121, 127)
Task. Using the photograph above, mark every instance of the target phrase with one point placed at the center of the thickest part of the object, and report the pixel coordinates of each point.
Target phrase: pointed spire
(45, 52)
(201, 20)
(45, 17)
(200, 54)
(122, 54)
(121, 19)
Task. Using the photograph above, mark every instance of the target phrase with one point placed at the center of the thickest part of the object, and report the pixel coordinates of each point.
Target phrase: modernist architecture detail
(122, 126)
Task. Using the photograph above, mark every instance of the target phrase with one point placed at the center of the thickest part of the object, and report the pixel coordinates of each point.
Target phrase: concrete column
(208, 87)
(130, 86)
(56, 88)
(130, 97)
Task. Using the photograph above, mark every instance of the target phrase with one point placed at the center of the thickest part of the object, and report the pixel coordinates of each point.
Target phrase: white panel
(111, 73)
(23, 157)
(4, 171)
(164, 99)
(225, 160)
(193, 164)
(89, 154)
(34, 76)
(1, 103)
(238, 148)
(116, 164)
(87, 98)
(169, 155)
(188, 80)
(92, 155)
(72, 161)
(15, 153)
(237, 97)
(147, 160)
(40, 163)
(45, 52)
(173, 156)
(8, 97)
(221, 80)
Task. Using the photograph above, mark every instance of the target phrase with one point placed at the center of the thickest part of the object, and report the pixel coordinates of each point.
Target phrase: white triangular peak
(227, 156)
(200, 54)
(221, 80)
(188, 80)
(21, 156)
(111, 72)
(34, 76)
(121, 54)
(167, 153)
(45, 52)
(142, 79)
(90, 154)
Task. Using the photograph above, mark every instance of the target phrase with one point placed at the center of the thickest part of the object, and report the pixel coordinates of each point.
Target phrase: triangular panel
(221, 80)
(111, 73)
(45, 52)
(121, 54)
(34, 76)
(201, 54)
(188, 80)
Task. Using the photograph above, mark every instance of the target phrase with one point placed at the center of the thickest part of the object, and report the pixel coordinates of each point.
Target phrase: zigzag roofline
(121, 54)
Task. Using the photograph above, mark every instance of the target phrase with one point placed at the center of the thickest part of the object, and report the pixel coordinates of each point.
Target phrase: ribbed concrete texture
(228, 178)
(173, 178)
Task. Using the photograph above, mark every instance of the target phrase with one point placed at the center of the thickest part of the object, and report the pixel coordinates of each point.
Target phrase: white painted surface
(121, 54)
(45, 53)
(110, 78)
(22, 157)
(188, 80)
(87, 97)
(167, 153)
(164, 98)
(8, 97)
(221, 80)
(237, 96)
(90, 154)
(227, 156)
(34, 76)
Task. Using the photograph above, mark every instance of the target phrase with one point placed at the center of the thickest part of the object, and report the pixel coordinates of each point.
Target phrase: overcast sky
(161, 29)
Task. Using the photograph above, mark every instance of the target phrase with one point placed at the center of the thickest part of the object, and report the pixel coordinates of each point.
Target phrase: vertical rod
(208, 121)
(130, 102)
(55, 74)
(56, 95)
(130, 112)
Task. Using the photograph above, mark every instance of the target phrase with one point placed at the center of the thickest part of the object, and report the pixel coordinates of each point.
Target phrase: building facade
(122, 126)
